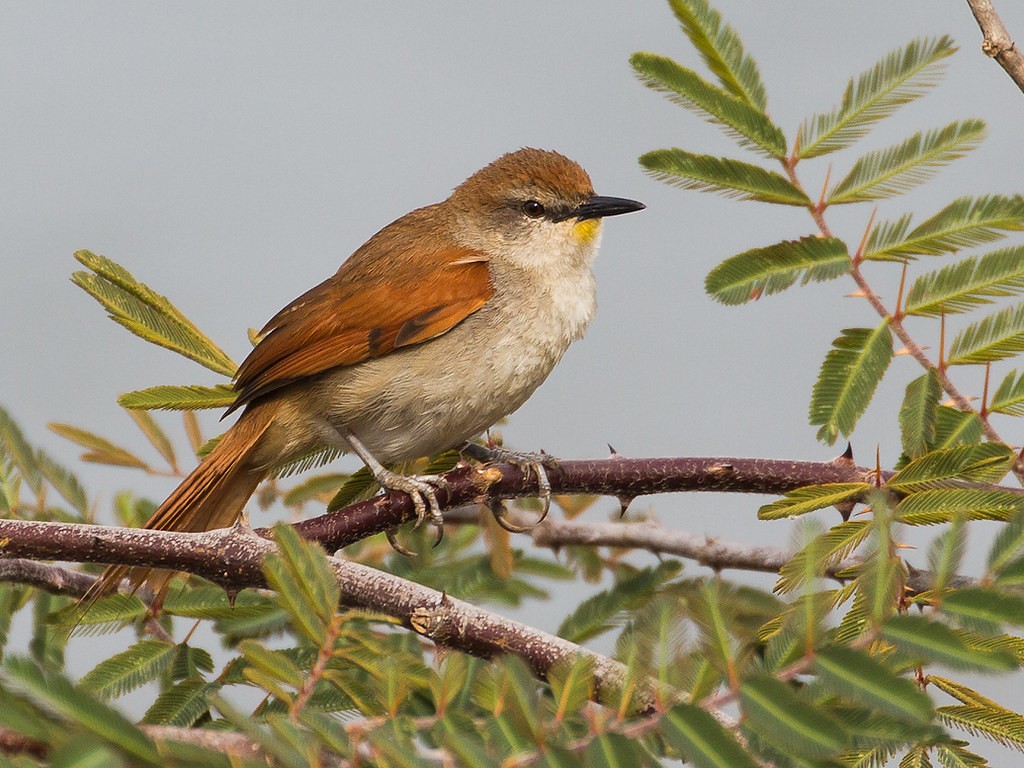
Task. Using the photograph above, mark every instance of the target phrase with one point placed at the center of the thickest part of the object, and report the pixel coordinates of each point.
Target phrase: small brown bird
(438, 326)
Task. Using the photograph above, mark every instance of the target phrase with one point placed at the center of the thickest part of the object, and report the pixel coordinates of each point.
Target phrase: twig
(997, 43)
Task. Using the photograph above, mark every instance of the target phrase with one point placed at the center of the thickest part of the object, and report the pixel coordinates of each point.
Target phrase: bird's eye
(533, 209)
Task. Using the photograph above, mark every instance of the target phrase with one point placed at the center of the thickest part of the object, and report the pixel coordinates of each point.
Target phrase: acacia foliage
(811, 672)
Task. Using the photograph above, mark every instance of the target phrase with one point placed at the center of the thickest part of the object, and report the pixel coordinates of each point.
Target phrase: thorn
(856, 295)
(846, 509)
(901, 351)
(612, 453)
(624, 502)
(232, 596)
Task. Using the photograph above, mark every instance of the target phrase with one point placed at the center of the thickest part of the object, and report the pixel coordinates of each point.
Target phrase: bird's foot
(530, 463)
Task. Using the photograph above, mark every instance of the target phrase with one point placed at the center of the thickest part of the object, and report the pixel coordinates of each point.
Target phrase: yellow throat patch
(587, 229)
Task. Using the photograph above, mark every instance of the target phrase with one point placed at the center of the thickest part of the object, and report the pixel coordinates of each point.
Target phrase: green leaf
(932, 507)
(772, 269)
(304, 583)
(946, 553)
(63, 481)
(748, 125)
(181, 705)
(901, 77)
(312, 487)
(996, 337)
(1009, 397)
(1008, 545)
(156, 436)
(190, 397)
(955, 756)
(984, 607)
(722, 50)
(981, 462)
(147, 314)
(98, 449)
(572, 683)
(919, 413)
(14, 445)
(863, 679)
(788, 722)
(55, 693)
(964, 223)
(702, 740)
(831, 547)
(888, 172)
(1000, 725)
(921, 639)
(605, 610)
(967, 284)
(613, 750)
(126, 671)
(811, 498)
(731, 178)
(848, 378)
(954, 427)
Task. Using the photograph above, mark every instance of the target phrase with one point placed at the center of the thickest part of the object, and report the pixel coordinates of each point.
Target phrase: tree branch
(997, 43)
(616, 476)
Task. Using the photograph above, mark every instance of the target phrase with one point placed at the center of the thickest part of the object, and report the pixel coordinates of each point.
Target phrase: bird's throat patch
(587, 229)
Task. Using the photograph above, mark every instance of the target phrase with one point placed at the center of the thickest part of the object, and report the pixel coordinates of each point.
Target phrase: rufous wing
(367, 309)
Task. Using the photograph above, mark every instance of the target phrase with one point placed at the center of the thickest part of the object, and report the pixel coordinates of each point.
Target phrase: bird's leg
(422, 489)
(529, 463)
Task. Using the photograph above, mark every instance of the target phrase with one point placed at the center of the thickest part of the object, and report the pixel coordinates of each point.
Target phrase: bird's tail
(212, 496)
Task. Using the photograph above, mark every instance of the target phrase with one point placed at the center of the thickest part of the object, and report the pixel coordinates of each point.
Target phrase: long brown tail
(212, 496)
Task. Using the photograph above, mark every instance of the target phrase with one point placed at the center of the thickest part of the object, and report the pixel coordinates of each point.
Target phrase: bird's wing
(365, 311)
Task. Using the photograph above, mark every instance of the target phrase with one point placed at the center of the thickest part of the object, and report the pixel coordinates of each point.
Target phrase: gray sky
(232, 154)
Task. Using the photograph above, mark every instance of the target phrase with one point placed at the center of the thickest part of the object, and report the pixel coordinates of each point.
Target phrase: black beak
(598, 207)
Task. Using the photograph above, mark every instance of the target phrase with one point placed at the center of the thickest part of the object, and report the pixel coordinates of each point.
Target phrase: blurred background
(232, 154)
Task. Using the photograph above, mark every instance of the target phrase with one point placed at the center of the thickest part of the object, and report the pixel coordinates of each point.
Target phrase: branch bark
(997, 43)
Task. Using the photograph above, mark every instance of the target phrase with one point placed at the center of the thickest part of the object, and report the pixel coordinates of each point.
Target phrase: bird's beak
(598, 207)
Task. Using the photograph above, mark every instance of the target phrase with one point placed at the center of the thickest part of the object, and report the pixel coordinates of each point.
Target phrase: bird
(441, 324)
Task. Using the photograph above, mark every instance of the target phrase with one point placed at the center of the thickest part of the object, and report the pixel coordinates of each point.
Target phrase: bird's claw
(422, 490)
(529, 463)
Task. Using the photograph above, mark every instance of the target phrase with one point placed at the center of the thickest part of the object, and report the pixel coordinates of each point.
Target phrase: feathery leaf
(1009, 397)
(146, 313)
(702, 740)
(722, 50)
(788, 722)
(901, 77)
(98, 449)
(964, 223)
(848, 378)
(862, 678)
(55, 693)
(932, 507)
(126, 671)
(953, 427)
(888, 172)
(191, 397)
(800, 501)
(1000, 725)
(772, 269)
(996, 337)
(967, 284)
(921, 639)
(747, 124)
(981, 462)
(919, 413)
(728, 177)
